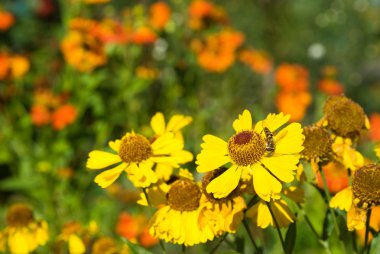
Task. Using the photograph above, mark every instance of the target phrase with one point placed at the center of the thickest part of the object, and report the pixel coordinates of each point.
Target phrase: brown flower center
(246, 148)
(345, 117)
(104, 245)
(366, 185)
(184, 195)
(317, 144)
(19, 215)
(135, 148)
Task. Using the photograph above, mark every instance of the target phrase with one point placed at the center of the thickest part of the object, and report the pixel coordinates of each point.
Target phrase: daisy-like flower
(140, 157)
(344, 117)
(181, 220)
(268, 155)
(361, 196)
(262, 216)
(23, 233)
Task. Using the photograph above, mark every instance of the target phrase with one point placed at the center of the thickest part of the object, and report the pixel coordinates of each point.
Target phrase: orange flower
(259, 61)
(110, 31)
(294, 104)
(336, 177)
(217, 53)
(200, 8)
(40, 115)
(80, 48)
(6, 20)
(203, 12)
(374, 120)
(143, 35)
(330, 87)
(159, 15)
(63, 116)
(292, 77)
(19, 66)
(374, 222)
(135, 229)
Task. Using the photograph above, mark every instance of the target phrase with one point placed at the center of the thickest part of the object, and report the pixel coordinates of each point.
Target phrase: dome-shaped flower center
(246, 148)
(184, 195)
(135, 148)
(317, 144)
(345, 117)
(19, 215)
(366, 185)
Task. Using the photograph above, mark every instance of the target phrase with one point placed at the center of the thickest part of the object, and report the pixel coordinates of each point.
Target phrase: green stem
(328, 198)
(277, 227)
(219, 243)
(250, 234)
(151, 213)
(354, 245)
(367, 246)
(309, 222)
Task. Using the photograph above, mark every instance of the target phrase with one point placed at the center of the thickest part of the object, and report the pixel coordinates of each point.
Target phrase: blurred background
(75, 74)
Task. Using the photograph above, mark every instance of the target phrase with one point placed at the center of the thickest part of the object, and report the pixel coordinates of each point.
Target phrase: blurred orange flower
(63, 116)
(217, 52)
(330, 87)
(294, 104)
(143, 35)
(135, 229)
(80, 48)
(110, 31)
(159, 15)
(40, 115)
(13, 66)
(203, 13)
(4, 66)
(292, 77)
(6, 20)
(374, 120)
(259, 61)
(336, 177)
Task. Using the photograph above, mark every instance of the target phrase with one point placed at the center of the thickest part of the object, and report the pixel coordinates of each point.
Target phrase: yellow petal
(213, 154)
(115, 145)
(377, 150)
(166, 144)
(21, 241)
(224, 184)
(290, 139)
(282, 213)
(244, 122)
(282, 166)
(142, 175)
(342, 200)
(214, 144)
(272, 122)
(158, 123)
(99, 159)
(177, 122)
(76, 245)
(265, 185)
(109, 176)
(356, 218)
(264, 217)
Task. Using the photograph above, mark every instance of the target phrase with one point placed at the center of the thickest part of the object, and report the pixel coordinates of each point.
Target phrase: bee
(269, 142)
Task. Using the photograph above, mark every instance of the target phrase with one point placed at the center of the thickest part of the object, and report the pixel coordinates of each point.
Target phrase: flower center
(345, 117)
(184, 195)
(135, 148)
(19, 215)
(366, 186)
(246, 148)
(317, 144)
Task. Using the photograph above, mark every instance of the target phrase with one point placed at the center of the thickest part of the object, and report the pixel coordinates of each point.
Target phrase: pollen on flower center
(246, 148)
(135, 148)
(19, 215)
(184, 195)
(366, 186)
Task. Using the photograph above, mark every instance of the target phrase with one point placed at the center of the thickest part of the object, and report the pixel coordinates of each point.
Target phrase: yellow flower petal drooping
(145, 161)
(342, 200)
(346, 154)
(23, 234)
(266, 153)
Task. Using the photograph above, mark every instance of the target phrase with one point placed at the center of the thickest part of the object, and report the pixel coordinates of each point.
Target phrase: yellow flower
(23, 233)
(262, 216)
(76, 236)
(342, 200)
(181, 221)
(377, 150)
(270, 158)
(346, 154)
(140, 158)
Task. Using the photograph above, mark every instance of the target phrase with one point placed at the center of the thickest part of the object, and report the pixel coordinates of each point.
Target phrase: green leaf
(290, 238)
(136, 249)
